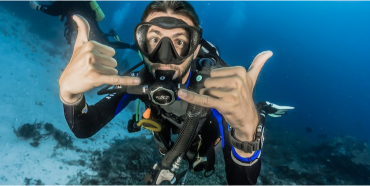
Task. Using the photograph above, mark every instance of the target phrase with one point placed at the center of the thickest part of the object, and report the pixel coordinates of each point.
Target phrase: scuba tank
(98, 12)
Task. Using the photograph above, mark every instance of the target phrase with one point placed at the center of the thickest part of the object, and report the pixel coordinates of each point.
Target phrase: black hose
(187, 133)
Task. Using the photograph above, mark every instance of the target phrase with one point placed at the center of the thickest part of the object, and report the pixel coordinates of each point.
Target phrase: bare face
(180, 39)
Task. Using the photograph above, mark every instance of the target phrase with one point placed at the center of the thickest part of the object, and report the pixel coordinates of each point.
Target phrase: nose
(166, 52)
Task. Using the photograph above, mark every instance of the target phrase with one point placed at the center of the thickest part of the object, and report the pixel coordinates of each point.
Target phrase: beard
(180, 70)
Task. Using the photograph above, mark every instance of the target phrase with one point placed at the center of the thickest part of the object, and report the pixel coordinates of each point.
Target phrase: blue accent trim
(187, 84)
(125, 100)
(253, 157)
(219, 120)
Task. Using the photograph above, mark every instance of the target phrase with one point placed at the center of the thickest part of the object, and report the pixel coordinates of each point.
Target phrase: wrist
(245, 157)
(242, 153)
(247, 132)
(70, 99)
(248, 127)
(245, 139)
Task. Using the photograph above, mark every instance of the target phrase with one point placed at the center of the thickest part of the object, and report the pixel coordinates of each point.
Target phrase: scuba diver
(187, 90)
(91, 11)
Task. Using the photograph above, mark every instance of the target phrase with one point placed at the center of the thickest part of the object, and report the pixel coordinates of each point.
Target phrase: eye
(180, 42)
(153, 40)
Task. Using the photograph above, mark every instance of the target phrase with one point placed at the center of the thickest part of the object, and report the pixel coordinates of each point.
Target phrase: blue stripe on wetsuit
(253, 157)
(219, 121)
(125, 100)
(187, 84)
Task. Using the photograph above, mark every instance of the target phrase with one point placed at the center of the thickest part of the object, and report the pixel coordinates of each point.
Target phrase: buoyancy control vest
(200, 140)
(198, 133)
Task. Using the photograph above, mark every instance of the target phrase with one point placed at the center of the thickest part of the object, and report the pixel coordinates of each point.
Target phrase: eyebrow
(156, 31)
(176, 35)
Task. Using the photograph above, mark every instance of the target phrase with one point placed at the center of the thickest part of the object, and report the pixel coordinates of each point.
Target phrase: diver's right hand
(91, 65)
(34, 5)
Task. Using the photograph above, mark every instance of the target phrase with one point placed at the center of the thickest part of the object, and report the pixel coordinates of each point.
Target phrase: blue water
(320, 64)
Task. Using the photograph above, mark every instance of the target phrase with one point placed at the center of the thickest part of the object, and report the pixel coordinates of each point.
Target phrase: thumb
(83, 30)
(257, 65)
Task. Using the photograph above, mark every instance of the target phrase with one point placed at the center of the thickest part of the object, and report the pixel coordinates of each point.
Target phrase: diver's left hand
(229, 90)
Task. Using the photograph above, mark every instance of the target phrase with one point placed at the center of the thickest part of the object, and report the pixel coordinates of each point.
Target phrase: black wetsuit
(66, 9)
(86, 120)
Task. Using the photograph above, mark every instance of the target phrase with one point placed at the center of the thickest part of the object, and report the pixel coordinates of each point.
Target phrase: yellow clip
(150, 125)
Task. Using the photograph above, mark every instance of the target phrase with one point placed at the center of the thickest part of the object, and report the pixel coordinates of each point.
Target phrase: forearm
(241, 168)
(241, 173)
(247, 133)
(85, 121)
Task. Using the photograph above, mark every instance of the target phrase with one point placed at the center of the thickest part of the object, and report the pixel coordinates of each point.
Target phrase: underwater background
(320, 66)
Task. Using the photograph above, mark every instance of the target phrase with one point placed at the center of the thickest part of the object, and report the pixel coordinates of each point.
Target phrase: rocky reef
(286, 159)
(38, 131)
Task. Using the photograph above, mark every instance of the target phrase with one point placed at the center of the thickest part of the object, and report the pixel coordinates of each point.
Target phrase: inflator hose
(186, 135)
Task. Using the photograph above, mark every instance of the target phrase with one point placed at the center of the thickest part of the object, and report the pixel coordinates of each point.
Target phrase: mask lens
(150, 36)
(182, 40)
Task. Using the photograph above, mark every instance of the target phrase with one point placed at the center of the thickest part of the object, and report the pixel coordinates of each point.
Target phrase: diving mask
(172, 49)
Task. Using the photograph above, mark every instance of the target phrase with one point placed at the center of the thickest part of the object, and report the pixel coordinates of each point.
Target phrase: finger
(83, 31)
(103, 49)
(233, 81)
(201, 100)
(118, 80)
(257, 65)
(105, 70)
(216, 92)
(230, 71)
(103, 60)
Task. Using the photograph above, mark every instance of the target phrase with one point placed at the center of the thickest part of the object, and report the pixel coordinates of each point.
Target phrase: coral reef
(38, 131)
(287, 159)
(28, 131)
(340, 160)
(30, 181)
(125, 162)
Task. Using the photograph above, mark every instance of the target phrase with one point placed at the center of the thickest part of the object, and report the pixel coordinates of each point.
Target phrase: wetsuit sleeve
(239, 171)
(85, 120)
(55, 9)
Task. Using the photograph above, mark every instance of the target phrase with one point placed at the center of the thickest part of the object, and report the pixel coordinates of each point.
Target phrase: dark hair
(178, 7)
